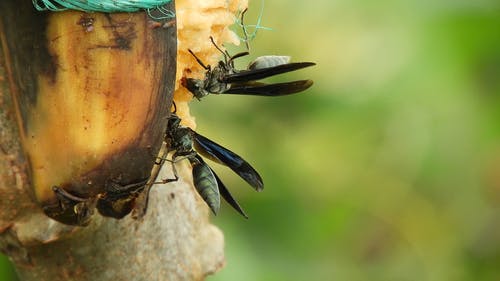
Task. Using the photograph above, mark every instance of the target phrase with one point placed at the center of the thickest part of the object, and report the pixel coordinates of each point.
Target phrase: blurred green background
(389, 167)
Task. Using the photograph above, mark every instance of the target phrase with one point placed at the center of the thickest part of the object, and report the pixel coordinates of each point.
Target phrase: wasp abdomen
(206, 184)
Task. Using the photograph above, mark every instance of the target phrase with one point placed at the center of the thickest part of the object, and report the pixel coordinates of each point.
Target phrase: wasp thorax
(182, 141)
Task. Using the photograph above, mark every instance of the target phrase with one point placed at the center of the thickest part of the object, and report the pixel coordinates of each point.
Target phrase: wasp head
(173, 122)
(195, 86)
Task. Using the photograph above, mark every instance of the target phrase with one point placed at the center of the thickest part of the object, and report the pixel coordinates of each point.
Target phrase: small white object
(268, 61)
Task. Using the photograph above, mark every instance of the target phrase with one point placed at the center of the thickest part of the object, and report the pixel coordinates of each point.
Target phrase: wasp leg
(142, 200)
(116, 188)
(66, 196)
(119, 200)
(174, 171)
(70, 209)
(176, 158)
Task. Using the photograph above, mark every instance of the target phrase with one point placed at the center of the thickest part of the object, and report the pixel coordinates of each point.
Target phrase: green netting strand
(105, 6)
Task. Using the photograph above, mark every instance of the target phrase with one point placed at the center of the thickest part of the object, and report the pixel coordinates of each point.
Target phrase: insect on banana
(185, 143)
(90, 125)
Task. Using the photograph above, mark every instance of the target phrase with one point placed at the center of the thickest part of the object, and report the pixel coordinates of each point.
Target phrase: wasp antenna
(230, 62)
(175, 107)
(199, 61)
(245, 29)
(224, 53)
(217, 46)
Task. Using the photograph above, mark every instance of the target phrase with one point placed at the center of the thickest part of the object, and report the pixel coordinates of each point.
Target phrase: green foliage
(6, 270)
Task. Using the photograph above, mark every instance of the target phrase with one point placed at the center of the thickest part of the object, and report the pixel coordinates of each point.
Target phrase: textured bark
(174, 241)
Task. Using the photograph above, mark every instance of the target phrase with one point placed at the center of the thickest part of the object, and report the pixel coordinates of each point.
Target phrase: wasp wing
(227, 196)
(221, 155)
(269, 90)
(261, 73)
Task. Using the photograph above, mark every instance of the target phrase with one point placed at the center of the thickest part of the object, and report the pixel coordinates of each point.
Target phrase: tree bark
(174, 241)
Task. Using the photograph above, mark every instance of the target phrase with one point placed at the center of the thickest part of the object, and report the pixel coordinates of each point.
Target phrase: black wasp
(185, 143)
(226, 79)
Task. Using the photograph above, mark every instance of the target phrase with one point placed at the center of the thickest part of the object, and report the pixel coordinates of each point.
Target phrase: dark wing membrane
(221, 155)
(261, 73)
(269, 90)
(228, 197)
